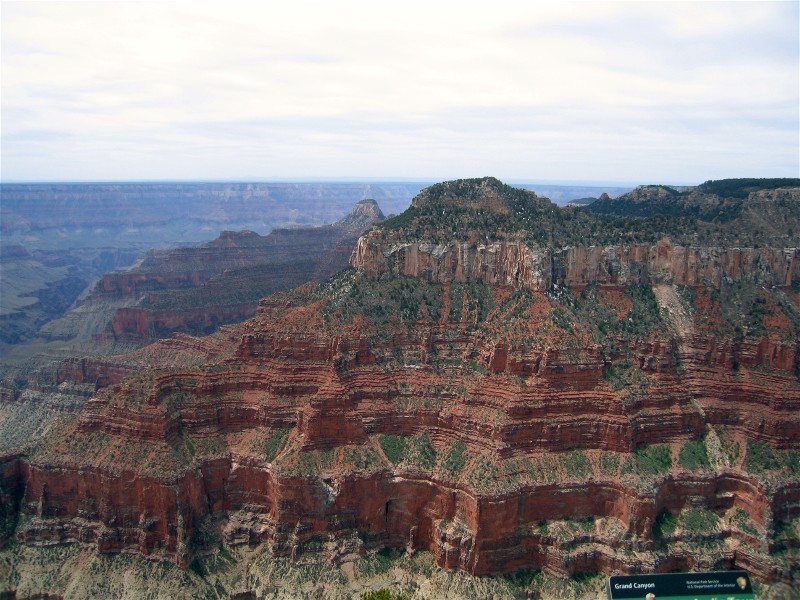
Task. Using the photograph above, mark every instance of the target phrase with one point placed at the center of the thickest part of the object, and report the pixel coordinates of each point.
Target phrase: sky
(644, 92)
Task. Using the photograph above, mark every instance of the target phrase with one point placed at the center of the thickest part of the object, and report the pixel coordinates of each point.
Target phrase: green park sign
(721, 585)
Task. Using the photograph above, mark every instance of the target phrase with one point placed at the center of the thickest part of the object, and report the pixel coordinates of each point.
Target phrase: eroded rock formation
(197, 289)
(500, 403)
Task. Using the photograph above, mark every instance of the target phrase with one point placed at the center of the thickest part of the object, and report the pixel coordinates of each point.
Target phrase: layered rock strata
(453, 398)
(335, 398)
(517, 264)
(197, 289)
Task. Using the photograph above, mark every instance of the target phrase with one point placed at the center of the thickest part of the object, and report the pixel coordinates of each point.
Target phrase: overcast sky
(637, 92)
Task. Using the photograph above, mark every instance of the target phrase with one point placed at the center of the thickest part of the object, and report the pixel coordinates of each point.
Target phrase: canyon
(494, 394)
(59, 238)
(196, 289)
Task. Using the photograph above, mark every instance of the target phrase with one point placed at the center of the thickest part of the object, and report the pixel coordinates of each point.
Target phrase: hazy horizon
(343, 180)
(634, 92)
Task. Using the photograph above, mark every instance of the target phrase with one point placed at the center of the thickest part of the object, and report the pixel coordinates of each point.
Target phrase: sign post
(720, 585)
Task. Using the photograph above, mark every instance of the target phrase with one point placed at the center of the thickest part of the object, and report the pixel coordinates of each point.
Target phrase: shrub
(361, 458)
(484, 474)
(609, 463)
(760, 457)
(275, 443)
(576, 464)
(791, 458)
(649, 460)
(423, 454)
(665, 524)
(693, 455)
(382, 594)
(393, 447)
(744, 522)
(699, 519)
(645, 315)
(456, 460)
(687, 296)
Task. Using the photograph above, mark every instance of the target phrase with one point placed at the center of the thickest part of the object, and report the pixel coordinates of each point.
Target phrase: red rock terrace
(499, 394)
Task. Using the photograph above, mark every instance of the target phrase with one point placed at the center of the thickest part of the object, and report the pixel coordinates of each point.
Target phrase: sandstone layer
(502, 404)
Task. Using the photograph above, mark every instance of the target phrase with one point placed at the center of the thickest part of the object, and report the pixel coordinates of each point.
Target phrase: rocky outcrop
(57, 239)
(665, 263)
(500, 263)
(95, 371)
(483, 533)
(500, 406)
(520, 415)
(519, 264)
(143, 325)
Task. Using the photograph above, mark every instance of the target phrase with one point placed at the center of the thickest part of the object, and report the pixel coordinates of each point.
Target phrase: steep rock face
(98, 372)
(500, 263)
(438, 398)
(517, 264)
(335, 397)
(666, 263)
(144, 325)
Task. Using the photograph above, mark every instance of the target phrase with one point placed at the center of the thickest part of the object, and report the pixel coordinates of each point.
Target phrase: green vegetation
(457, 293)
(713, 214)
(743, 521)
(218, 561)
(541, 469)
(731, 447)
(9, 513)
(383, 594)
(452, 210)
(188, 444)
(791, 459)
(609, 463)
(693, 455)
(643, 319)
(484, 474)
(625, 376)
(616, 374)
(649, 460)
(760, 457)
(787, 530)
(404, 299)
(744, 305)
(421, 452)
(275, 443)
(478, 299)
(576, 464)
(741, 187)
(393, 447)
(455, 460)
(687, 296)
(516, 305)
(665, 524)
(645, 316)
(362, 457)
(520, 580)
(699, 520)
(381, 561)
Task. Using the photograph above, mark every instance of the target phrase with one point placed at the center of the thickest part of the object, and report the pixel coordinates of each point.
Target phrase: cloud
(637, 91)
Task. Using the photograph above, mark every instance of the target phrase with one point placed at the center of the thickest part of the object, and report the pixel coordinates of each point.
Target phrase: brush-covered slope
(479, 384)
